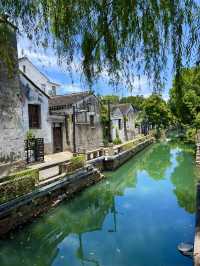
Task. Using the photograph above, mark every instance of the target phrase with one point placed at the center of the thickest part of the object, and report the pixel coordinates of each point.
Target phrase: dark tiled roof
(67, 99)
(124, 107)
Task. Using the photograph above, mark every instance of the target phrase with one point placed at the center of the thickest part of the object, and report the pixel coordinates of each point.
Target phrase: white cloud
(69, 88)
(38, 56)
(45, 58)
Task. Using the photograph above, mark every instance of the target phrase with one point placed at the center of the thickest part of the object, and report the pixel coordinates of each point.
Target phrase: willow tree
(122, 38)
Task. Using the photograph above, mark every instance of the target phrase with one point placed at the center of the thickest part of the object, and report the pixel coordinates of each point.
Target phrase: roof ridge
(70, 94)
(68, 98)
(44, 75)
(26, 77)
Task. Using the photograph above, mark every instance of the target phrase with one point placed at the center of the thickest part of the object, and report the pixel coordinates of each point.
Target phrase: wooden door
(57, 139)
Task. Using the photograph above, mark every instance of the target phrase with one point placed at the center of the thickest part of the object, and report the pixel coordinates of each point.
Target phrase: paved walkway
(51, 162)
(58, 157)
(52, 159)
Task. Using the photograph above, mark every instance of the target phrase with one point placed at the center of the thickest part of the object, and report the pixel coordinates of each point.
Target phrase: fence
(34, 150)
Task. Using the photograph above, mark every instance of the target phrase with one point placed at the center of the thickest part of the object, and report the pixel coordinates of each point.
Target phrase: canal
(136, 217)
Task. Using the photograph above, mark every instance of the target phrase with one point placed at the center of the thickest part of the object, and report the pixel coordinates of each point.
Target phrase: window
(24, 68)
(53, 90)
(43, 86)
(34, 113)
(92, 120)
(120, 123)
(81, 117)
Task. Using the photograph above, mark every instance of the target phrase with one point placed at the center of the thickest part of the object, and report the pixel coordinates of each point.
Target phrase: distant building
(43, 82)
(123, 121)
(76, 122)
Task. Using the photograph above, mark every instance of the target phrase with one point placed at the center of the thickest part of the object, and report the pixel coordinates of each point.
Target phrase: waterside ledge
(17, 212)
(197, 230)
(24, 209)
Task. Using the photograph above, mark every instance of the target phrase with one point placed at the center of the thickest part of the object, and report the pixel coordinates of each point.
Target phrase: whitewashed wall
(114, 125)
(11, 129)
(36, 97)
(131, 129)
(132, 132)
(89, 137)
(35, 75)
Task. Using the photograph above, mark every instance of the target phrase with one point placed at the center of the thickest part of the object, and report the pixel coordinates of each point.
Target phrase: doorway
(57, 139)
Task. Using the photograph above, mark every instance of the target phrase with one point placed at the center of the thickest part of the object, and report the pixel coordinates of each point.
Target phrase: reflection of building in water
(80, 254)
(74, 228)
(84, 214)
(156, 161)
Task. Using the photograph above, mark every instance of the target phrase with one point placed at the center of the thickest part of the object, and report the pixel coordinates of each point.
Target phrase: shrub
(77, 162)
(18, 184)
(105, 142)
(128, 146)
(197, 121)
(117, 141)
(30, 135)
(191, 135)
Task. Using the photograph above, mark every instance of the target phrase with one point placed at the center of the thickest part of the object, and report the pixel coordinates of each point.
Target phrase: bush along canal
(135, 217)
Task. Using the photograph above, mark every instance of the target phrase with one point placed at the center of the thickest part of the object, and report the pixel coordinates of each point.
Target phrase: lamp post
(109, 123)
(74, 128)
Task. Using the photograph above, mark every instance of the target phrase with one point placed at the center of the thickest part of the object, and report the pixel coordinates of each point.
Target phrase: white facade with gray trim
(123, 120)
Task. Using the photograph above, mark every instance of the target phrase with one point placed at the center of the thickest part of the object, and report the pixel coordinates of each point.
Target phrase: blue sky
(47, 62)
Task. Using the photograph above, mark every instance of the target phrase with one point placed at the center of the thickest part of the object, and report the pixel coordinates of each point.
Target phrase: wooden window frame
(32, 122)
(92, 123)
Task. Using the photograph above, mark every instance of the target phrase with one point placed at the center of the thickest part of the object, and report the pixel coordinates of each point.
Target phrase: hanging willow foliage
(121, 37)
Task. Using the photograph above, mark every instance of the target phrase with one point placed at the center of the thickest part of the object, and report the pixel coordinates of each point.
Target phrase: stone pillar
(11, 126)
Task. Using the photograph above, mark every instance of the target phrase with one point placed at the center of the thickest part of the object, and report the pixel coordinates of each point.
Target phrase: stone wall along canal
(135, 217)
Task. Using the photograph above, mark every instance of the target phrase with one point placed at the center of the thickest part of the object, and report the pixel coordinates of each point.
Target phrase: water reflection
(156, 161)
(184, 178)
(114, 215)
(85, 213)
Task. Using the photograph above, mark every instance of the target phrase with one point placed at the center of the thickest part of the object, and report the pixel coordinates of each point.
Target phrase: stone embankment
(116, 156)
(46, 193)
(115, 161)
(198, 148)
(25, 208)
(197, 226)
(197, 231)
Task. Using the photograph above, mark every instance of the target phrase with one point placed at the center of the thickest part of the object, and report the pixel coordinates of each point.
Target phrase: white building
(43, 82)
(123, 120)
(51, 118)
(24, 107)
(35, 112)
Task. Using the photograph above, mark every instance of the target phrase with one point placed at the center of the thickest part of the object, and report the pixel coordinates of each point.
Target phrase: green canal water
(136, 217)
